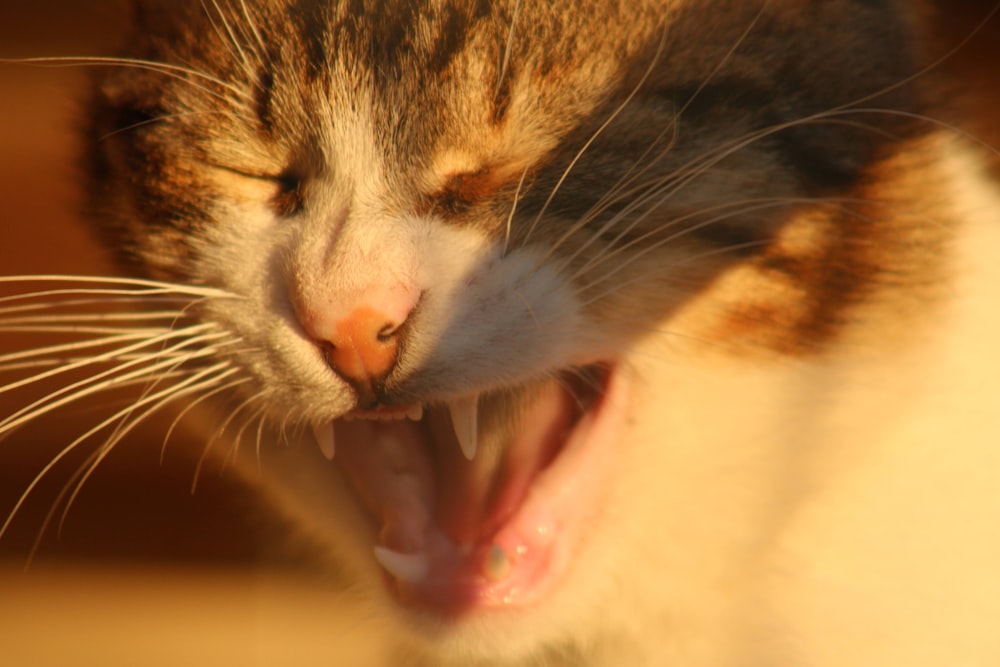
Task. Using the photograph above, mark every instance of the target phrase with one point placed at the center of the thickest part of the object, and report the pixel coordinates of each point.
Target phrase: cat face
(442, 231)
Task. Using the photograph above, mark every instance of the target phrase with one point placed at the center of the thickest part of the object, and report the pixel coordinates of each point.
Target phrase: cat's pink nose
(364, 346)
(362, 342)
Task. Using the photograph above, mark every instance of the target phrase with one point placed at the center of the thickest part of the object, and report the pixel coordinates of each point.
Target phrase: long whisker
(738, 210)
(229, 37)
(259, 412)
(75, 346)
(730, 210)
(725, 59)
(157, 286)
(850, 107)
(178, 418)
(672, 184)
(690, 259)
(102, 453)
(208, 446)
(96, 429)
(145, 341)
(104, 302)
(261, 50)
(615, 193)
(513, 210)
(169, 315)
(843, 204)
(177, 72)
(597, 133)
(220, 432)
(203, 114)
(508, 49)
(89, 386)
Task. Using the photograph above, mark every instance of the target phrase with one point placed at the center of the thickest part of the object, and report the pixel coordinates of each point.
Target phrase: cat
(641, 333)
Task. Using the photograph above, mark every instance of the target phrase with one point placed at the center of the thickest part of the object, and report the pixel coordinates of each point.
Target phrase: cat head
(469, 214)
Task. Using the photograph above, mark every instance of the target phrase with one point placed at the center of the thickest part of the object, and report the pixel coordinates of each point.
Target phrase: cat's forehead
(454, 86)
(447, 87)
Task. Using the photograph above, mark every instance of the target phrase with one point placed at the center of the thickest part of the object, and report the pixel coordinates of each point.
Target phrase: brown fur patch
(868, 254)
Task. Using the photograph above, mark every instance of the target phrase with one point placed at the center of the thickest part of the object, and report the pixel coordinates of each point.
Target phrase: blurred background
(138, 549)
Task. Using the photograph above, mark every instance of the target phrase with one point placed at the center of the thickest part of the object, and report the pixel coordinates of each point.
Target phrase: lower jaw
(525, 557)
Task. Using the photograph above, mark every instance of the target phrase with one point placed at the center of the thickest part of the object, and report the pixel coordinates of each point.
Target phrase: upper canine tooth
(465, 420)
(416, 412)
(408, 568)
(324, 437)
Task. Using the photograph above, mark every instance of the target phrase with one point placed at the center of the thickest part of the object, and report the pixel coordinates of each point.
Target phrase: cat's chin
(456, 536)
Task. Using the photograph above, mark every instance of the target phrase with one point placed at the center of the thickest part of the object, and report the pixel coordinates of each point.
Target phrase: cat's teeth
(415, 413)
(465, 420)
(497, 566)
(324, 437)
(408, 568)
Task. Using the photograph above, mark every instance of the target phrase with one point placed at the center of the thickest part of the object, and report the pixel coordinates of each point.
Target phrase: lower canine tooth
(324, 437)
(465, 420)
(497, 565)
(408, 568)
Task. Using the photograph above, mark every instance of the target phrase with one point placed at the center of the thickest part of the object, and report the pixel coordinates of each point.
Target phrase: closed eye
(289, 193)
(464, 190)
(290, 197)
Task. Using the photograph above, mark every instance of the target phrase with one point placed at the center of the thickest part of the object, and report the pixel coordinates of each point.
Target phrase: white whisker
(209, 444)
(689, 259)
(74, 347)
(88, 386)
(740, 209)
(66, 329)
(229, 37)
(120, 433)
(178, 418)
(176, 72)
(731, 209)
(164, 117)
(508, 49)
(597, 133)
(197, 377)
(144, 341)
(513, 210)
(84, 472)
(156, 286)
(169, 315)
(161, 301)
(261, 49)
(259, 412)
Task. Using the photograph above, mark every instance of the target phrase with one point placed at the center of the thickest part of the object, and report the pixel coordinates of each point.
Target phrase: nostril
(360, 335)
(328, 349)
(387, 333)
(363, 347)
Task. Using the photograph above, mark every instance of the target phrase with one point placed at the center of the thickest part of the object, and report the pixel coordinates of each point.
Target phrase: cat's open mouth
(456, 534)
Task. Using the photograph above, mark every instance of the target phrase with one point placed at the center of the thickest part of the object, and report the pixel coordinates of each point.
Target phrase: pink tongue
(422, 493)
(386, 464)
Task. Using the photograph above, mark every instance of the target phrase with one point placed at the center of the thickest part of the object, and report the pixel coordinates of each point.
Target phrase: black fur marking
(311, 20)
(263, 98)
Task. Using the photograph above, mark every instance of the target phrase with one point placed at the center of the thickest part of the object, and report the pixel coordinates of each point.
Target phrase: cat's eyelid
(279, 177)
